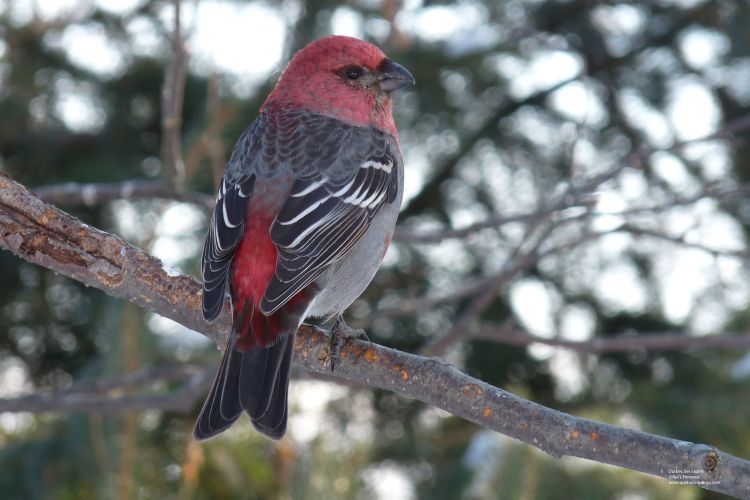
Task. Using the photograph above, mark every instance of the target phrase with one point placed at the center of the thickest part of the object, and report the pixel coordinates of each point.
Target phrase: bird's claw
(340, 333)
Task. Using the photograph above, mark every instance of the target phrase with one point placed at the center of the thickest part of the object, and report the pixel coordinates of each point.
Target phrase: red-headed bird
(304, 216)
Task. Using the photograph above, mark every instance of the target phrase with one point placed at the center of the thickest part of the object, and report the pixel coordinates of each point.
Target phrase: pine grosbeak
(303, 218)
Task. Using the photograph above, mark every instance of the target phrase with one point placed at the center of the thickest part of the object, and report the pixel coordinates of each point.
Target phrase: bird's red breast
(253, 267)
(252, 270)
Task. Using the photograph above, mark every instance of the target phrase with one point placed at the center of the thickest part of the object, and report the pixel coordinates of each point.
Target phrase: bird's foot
(340, 333)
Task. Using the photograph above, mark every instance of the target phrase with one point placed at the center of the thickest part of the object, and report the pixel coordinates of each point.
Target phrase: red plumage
(253, 267)
(310, 82)
(303, 218)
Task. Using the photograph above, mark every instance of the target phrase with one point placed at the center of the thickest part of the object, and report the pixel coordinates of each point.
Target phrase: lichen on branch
(47, 236)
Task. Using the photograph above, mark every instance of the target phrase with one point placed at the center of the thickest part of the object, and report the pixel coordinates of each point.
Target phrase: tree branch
(115, 402)
(114, 396)
(47, 236)
(411, 306)
(439, 384)
(523, 257)
(681, 241)
(712, 191)
(655, 341)
(171, 107)
(210, 144)
(135, 380)
(94, 194)
(525, 254)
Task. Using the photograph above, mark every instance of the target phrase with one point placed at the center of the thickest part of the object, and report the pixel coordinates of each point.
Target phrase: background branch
(710, 191)
(95, 194)
(655, 341)
(171, 107)
(113, 401)
(47, 236)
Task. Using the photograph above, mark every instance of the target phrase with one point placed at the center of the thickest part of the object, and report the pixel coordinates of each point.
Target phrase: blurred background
(574, 230)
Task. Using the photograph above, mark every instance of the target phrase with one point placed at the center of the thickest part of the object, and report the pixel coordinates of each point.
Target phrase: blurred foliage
(514, 100)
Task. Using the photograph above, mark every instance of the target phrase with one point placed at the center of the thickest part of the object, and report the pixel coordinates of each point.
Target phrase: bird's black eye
(353, 72)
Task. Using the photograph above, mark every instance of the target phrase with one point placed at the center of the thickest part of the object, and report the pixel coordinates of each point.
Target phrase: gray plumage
(334, 190)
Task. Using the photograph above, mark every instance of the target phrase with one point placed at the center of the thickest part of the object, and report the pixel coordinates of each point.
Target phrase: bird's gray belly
(344, 281)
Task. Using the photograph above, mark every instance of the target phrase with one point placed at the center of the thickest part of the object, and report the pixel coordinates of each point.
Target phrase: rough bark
(45, 235)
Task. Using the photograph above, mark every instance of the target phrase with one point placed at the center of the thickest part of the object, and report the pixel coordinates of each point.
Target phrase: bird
(304, 215)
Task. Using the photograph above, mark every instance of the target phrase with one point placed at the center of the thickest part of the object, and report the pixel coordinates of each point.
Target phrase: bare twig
(171, 107)
(44, 235)
(444, 170)
(132, 392)
(661, 341)
(726, 132)
(112, 402)
(90, 195)
(605, 63)
(210, 144)
(436, 236)
(134, 380)
(524, 256)
(710, 191)
(476, 285)
(681, 241)
(408, 307)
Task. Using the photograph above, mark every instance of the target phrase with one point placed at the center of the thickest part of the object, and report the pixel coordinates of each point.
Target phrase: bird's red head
(344, 78)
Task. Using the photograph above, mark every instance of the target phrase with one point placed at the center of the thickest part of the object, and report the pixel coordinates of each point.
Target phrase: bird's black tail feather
(255, 381)
(265, 398)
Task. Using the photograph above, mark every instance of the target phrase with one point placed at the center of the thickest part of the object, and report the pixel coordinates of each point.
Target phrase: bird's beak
(392, 76)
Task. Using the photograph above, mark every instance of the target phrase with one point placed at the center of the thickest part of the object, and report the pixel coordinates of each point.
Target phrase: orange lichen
(46, 216)
(487, 412)
(594, 436)
(89, 244)
(299, 340)
(575, 434)
(371, 355)
(405, 375)
(472, 390)
(113, 280)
